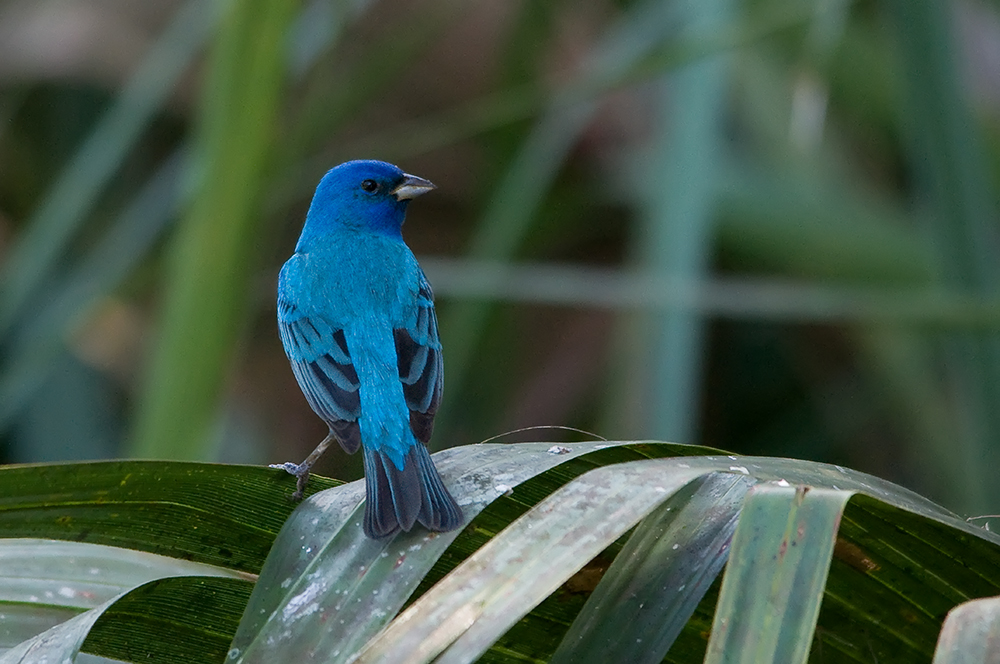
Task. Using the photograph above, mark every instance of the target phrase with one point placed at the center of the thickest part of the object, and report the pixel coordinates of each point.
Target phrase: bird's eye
(370, 186)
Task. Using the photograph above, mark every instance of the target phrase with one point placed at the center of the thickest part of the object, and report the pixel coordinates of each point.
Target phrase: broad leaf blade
(153, 623)
(211, 513)
(971, 634)
(473, 606)
(894, 576)
(80, 575)
(61, 643)
(323, 565)
(837, 634)
(171, 621)
(777, 570)
(23, 622)
(656, 582)
(899, 565)
(44, 582)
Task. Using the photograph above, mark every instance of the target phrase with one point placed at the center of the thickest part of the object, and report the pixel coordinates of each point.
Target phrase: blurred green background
(768, 226)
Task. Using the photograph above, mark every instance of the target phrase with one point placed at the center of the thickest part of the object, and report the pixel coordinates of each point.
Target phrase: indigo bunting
(356, 319)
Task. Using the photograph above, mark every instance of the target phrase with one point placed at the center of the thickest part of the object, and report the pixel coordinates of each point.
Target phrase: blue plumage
(356, 318)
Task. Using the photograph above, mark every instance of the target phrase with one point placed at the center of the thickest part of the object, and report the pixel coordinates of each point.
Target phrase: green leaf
(516, 569)
(209, 513)
(654, 585)
(322, 563)
(461, 617)
(66, 206)
(44, 583)
(82, 576)
(125, 244)
(894, 576)
(971, 634)
(945, 153)
(544, 523)
(214, 246)
(61, 643)
(22, 622)
(773, 586)
(155, 623)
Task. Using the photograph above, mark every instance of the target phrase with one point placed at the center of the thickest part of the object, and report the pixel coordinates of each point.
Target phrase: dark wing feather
(322, 365)
(421, 364)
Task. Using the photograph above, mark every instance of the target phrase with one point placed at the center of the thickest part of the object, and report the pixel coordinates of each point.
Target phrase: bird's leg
(301, 470)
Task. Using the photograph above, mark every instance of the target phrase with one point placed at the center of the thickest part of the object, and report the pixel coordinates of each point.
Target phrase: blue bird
(356, 318)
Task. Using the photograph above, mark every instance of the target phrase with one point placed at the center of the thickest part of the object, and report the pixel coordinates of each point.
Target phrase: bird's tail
(397, 498)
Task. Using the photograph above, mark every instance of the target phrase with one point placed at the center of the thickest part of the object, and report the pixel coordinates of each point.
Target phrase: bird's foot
(301, 473)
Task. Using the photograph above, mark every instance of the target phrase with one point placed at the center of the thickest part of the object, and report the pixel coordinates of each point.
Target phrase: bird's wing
(320, 360)
(421, 365)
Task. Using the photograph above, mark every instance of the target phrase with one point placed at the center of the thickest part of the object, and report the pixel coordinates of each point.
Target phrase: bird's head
(365, 195)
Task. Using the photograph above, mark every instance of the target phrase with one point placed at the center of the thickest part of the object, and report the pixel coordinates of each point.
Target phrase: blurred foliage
(792, 206)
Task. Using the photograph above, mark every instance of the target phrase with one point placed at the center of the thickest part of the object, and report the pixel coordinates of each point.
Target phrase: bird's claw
(301, 473)
(288, 467)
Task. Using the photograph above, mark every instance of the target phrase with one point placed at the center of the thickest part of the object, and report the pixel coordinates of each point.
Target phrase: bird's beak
(411, 187)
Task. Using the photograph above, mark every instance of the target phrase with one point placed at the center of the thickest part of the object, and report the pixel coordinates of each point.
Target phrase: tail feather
(390, 504)
(396, 499)
(438, 509)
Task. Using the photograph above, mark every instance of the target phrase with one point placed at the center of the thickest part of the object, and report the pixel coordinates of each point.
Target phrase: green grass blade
(741, 298)
(945, 145)
(23, 622)
(945, 153)
(530, 174)
(66, 206)
(125, 244)
(213, 250)
(81, 575)
(678, 217)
